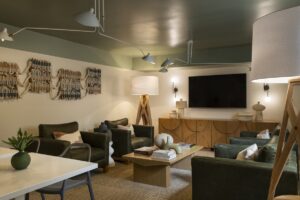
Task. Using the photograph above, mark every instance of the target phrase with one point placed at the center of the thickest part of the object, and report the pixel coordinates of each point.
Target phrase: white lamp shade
(276, 47)
(144, 85)
(88, 18)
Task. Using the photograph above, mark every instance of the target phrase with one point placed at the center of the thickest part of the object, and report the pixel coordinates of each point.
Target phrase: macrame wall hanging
(39, 79)
(69, 84)
(93, 81)
(9, 81)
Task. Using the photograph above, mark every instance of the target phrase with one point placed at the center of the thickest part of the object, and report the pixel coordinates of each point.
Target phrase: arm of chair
(121, 142)
(52, 147)
(97, 140)
(144, 131)
(228, 150)
(248, 141)
(251, 134)
(220, 178)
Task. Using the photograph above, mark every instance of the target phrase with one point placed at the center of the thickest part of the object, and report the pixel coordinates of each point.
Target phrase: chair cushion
(82, 154)
(137, 142)
(115, 123)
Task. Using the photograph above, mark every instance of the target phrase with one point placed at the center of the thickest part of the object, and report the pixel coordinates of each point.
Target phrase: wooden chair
(285, 147)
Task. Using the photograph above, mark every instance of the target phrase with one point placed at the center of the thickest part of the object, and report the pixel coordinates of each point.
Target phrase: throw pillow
(71, 137)
(128, 128)
(267, 153)
(265, 134)
(248, 154)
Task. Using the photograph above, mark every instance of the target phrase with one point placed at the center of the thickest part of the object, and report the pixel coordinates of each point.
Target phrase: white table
(43, 170)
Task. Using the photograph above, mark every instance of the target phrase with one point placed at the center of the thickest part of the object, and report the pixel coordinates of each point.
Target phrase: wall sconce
(267, 90)
(174, 87)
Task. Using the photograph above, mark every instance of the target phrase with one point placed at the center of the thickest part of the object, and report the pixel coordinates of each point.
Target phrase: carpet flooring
(117, 184)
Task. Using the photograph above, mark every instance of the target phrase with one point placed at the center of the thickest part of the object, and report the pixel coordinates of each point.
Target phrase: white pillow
(128, 128)
(71, 137)
(265, 134)
(248, 154)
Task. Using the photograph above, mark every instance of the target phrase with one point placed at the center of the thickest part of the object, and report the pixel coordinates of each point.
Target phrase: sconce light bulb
(2, 39)
(268, 99)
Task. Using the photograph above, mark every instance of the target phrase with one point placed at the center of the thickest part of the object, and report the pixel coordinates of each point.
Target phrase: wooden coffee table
(157, 172)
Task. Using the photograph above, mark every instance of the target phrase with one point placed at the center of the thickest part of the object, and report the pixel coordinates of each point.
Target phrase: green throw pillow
(267, 153)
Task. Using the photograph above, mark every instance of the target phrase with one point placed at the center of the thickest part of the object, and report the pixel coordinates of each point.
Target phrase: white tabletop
(43, 170)
(6, 152)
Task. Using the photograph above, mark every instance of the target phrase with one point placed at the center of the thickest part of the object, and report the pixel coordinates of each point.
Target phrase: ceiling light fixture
(167, 63)
(89, 19)
(148, 58)
(4, 36)
(164, 66)
(189, 57)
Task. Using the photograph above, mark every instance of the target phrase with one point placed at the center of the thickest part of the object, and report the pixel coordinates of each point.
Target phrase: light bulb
(268, 99)
(2, 39)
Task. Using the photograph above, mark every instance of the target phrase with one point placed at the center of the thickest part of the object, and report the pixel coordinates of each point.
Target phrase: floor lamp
(276, 59)
(144, 86)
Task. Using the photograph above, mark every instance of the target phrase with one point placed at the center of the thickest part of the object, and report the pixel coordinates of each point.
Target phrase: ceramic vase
(20, 160)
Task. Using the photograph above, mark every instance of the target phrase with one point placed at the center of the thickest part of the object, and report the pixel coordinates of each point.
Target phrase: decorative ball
(163, 138)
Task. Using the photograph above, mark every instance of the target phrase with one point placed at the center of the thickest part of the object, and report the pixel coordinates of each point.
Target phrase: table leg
(152, 175)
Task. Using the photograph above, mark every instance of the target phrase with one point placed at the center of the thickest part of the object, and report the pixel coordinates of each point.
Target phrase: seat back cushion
(115, 123)
(46, 130)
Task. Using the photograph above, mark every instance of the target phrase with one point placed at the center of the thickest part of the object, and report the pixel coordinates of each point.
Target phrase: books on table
(164, 154)
(146, 150)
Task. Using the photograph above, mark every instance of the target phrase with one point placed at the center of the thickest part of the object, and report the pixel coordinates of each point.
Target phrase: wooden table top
(43, 170)
(149, 161)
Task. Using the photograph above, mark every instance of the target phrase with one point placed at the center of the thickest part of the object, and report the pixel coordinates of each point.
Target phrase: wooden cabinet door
(219, 132)
(247, 126)
(172, 127)
(233, 129)
(189, 131)
(204, 133)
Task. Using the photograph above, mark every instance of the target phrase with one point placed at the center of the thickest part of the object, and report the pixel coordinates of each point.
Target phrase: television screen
(218, 91)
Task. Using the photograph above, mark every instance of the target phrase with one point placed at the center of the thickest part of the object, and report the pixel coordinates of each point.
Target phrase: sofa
(124, 142)
(99, 143)
(225, 178)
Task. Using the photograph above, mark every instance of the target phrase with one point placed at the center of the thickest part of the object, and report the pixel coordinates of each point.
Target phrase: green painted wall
(49, 45)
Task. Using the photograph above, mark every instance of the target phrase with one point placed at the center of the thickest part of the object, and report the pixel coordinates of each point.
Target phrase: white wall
(33, 109)
(115, 101)
(163, 104)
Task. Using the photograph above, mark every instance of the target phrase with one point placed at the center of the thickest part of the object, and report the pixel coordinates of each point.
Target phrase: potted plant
(22, 159)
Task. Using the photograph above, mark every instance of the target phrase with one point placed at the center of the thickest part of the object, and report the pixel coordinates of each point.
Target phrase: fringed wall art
(9, 81)
(69, 85)
(93, 81)
(40, 80)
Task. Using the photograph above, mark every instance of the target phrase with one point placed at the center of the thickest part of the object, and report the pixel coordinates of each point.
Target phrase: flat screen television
(218, 91)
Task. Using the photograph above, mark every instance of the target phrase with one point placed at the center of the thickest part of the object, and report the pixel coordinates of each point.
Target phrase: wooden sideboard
(208, 132)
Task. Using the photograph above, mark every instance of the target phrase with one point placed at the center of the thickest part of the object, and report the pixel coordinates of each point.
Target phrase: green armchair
(99, 143)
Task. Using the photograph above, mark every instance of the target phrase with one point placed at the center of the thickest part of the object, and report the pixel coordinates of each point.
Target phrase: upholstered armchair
(124, 142)
(99, 142)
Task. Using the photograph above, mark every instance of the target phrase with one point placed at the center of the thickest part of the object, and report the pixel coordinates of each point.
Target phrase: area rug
(117, 184)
